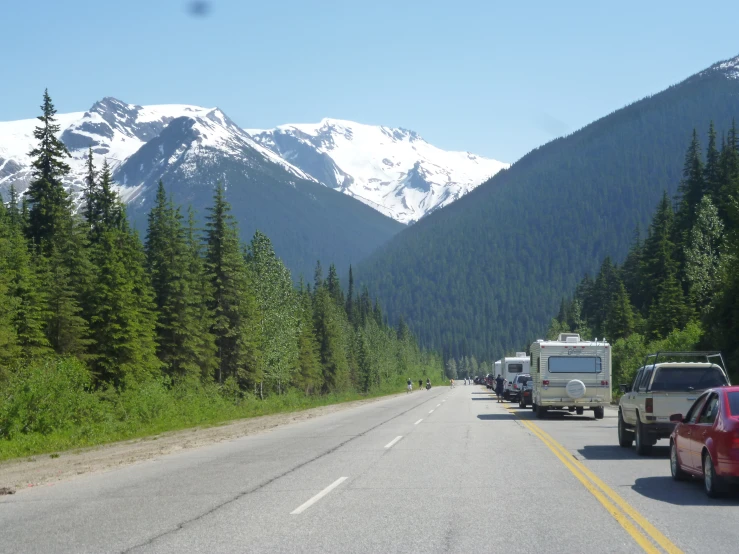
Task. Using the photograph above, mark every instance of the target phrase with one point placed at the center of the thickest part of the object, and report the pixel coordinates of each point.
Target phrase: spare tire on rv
(575, 389)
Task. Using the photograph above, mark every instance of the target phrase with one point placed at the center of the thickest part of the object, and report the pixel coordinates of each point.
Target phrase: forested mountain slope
(484, 274)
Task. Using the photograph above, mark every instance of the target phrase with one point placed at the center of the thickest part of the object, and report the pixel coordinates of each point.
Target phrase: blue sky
(495, 78)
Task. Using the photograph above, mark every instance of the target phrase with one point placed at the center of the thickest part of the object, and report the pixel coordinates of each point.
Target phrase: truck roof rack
(707, 355)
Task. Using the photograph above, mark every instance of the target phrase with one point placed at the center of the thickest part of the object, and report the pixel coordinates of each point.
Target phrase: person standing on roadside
(410, 386)
(499, 382)
(420, 384)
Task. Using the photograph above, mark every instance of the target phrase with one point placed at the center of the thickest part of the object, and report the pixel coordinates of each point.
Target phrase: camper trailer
(571, 374)
(511, 367)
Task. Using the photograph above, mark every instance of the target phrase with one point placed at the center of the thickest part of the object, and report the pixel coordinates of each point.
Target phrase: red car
(705, 441)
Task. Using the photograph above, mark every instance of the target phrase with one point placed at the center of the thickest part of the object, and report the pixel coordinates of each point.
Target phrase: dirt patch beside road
(44, 469)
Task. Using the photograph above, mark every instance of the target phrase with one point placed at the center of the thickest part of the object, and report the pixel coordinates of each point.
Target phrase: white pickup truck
(661, 389)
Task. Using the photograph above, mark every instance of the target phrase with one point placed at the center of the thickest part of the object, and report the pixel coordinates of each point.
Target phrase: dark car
(524, 398)
(705, 441)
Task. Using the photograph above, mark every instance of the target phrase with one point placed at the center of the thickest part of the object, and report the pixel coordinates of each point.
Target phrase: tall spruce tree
(712, 172)
(308, 375)
(234, 306)
(703, 254)
(50, 209)
(185, 343)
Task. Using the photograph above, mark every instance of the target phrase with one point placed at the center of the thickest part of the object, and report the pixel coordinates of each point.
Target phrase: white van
(571, 374)
(512, 367)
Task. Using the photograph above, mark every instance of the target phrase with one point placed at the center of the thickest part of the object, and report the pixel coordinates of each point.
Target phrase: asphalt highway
(446, 470)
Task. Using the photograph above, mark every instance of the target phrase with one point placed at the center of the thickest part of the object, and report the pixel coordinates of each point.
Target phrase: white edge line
(438, 405)
(392, 442)
(431, 412)
(419, 421)
(316, 498)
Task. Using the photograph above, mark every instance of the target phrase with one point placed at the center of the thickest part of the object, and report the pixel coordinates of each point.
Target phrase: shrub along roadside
(51, 406)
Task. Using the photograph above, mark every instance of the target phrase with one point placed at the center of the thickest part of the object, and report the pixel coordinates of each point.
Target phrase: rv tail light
(545, 382)
(604, 383)
(649, 405)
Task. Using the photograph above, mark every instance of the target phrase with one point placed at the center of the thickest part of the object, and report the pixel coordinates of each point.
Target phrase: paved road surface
(433, 471)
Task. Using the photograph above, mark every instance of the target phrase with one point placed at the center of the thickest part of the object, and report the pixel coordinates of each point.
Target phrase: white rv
(510, 367)
(571, 374)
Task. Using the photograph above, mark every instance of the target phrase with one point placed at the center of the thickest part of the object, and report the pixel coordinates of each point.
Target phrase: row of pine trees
(678, 286)
(185, 304)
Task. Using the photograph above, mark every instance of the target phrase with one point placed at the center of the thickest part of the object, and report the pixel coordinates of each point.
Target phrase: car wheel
(712, 483)
(599, 412)
(579, 410)
(642, 443)
(625, 436)
(678, 474)
(541, 411)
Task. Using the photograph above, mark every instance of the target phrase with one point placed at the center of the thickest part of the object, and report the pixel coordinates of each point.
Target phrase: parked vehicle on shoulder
(661, 389)
(519, 381)
(705, 441)
(511, 367)
(525, 398)
(571, 374)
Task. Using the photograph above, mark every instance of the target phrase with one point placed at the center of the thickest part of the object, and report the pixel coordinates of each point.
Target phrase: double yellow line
(632, 521)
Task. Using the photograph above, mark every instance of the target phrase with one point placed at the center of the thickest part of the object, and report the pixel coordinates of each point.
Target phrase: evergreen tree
(669, 312)
(90, 188)
(14, 209)
(619, 321)
(658, 256)
(350, 299)
(185, 343)
(50, 209)
(234, 307)
(318, 277)
(331, 338)
(123, 319)
(712, 173)
(693, 187)
(308, 375)
(106, 209)
(334, 286)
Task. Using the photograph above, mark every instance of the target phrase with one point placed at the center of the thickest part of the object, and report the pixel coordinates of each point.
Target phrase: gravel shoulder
(16, 475)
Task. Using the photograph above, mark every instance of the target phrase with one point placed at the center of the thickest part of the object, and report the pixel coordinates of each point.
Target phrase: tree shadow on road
(689, 493)
(496, 417)
(615, 452)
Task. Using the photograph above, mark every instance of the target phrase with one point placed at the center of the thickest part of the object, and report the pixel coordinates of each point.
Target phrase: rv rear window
(515, 368)
(574, 364)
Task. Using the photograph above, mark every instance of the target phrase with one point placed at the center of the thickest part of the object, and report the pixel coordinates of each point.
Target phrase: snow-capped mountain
(393, 170)
(116, 131)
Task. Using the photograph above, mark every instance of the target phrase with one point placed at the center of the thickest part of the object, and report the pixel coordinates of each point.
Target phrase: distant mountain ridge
(191, 149)
(484, 275)
(391, 169)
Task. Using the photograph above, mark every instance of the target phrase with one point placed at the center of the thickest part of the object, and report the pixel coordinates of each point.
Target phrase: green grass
(50, 408)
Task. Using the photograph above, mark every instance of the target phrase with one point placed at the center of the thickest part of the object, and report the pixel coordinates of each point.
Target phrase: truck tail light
(515, 387)
(604, 383)
(545, 382)
(649, 405)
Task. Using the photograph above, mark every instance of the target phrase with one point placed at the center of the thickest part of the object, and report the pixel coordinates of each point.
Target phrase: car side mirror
(676, 418)
(624, 388)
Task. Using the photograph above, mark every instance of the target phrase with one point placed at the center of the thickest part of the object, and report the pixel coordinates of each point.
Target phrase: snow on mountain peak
(391, 169)
(729, 68)
(115, 131)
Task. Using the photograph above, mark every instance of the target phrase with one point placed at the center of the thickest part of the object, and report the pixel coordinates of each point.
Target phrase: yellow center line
(583, 474)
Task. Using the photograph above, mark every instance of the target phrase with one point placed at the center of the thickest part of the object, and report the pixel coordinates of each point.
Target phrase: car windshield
(734, 403)
(687, 378)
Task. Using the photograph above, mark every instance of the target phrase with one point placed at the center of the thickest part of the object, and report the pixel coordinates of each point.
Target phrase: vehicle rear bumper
(659, 430)
(728, 470)
(580, 402)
